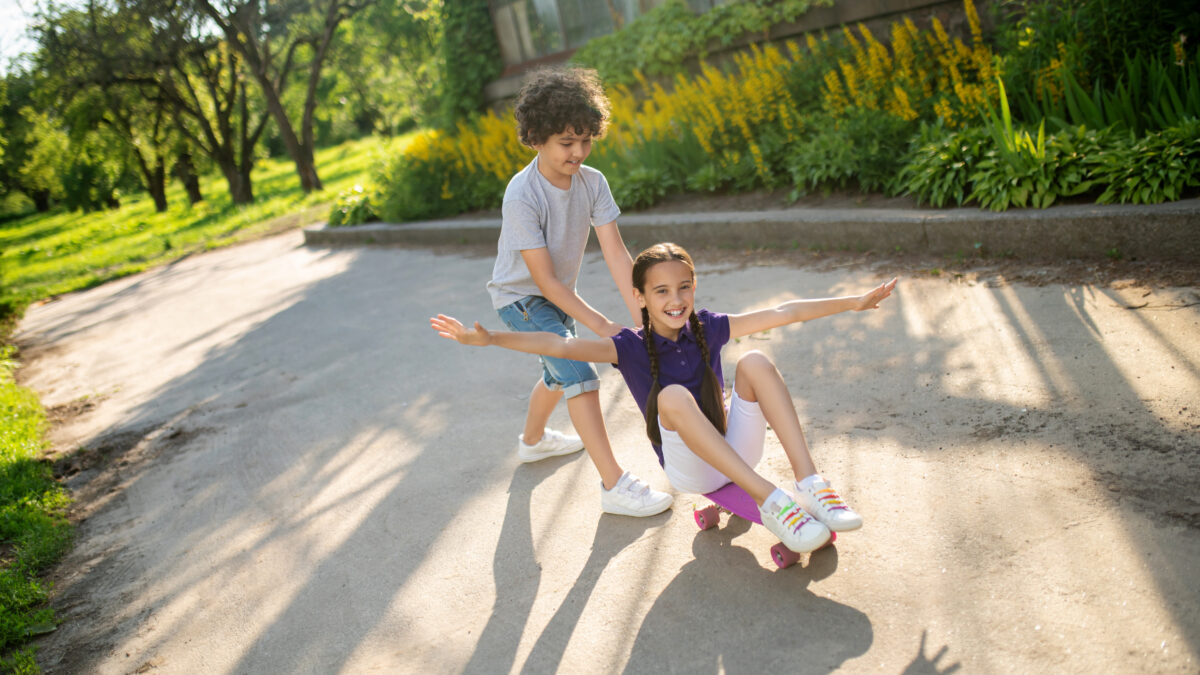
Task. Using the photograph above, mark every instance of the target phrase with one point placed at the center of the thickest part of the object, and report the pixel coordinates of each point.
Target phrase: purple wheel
(707, 517)
(783, 556)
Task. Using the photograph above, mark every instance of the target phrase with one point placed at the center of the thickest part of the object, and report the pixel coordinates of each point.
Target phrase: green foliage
(1159, 167)
(938, 168)
(386, 81)
(866, 146)
(1089, 37)
(32, 515)
(639, 186)
(353, 207)
(20, 662)
(663, 40)
(1150, 94)
(470, 57)
(1038, 173)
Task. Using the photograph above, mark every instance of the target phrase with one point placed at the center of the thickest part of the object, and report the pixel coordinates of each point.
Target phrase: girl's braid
(651, 400)
(711, 400)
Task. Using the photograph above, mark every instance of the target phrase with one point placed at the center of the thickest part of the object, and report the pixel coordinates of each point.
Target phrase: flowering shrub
(353, 207)
(834, 111)
(923, 75)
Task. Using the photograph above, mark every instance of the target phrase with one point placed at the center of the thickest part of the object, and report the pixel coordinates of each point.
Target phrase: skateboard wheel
(783, 556)
(832, 538)
(707, 517)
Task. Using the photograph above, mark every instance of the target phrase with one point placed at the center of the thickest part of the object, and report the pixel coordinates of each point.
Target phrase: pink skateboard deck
(733, 499)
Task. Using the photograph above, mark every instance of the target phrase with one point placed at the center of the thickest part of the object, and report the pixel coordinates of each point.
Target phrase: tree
(271, 37)
(94, 61)
(388, 81)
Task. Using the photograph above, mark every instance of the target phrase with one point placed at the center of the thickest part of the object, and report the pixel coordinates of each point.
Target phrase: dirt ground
(277, 469)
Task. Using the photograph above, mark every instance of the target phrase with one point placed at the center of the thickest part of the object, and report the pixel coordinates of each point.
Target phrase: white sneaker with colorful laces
(826, 505)
(785, 519)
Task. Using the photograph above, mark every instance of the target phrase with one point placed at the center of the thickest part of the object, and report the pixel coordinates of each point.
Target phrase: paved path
(288, 472)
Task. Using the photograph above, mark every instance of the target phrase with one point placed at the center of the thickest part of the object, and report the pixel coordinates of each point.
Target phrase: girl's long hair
(711, 402)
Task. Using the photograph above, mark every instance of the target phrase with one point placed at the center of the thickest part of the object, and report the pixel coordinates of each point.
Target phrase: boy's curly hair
(554, 100)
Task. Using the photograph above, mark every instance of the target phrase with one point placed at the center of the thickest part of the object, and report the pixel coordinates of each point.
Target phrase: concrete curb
(1154, 232)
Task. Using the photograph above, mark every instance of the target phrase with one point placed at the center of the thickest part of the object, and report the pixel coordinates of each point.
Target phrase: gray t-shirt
(538, 215)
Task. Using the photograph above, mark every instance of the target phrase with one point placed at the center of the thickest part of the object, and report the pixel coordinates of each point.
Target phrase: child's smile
(669, 297)
(561, 155)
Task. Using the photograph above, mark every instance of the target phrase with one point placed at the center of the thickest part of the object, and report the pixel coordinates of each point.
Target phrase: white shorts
(746, 432)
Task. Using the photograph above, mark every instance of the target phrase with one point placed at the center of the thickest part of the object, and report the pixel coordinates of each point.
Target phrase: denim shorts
(534, 313)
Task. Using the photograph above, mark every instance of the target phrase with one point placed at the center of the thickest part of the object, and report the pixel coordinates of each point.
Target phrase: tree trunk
(302, 157)
(240, 191)
(156, 185)
(41, 200)
(186, 172)
(158, 189)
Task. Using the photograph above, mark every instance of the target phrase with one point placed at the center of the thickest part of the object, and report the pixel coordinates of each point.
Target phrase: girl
(672, 367)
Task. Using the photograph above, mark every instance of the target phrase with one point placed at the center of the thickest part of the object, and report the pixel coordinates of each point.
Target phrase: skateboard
(734, 500)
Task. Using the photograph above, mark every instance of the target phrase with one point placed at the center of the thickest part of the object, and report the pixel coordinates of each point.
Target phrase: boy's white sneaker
(631, 497)
(823, 502)
(553, 444)
(787, 520)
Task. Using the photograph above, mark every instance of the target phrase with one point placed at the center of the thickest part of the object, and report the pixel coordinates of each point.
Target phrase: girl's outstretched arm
(806, 310)
(546, 344)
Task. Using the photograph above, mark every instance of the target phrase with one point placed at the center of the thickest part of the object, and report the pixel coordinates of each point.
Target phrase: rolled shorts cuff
(572, 390)
(535, 313)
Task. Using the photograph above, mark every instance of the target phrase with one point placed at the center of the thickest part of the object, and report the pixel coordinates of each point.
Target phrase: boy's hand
(452, 329)
(872, 298)
(610, 329)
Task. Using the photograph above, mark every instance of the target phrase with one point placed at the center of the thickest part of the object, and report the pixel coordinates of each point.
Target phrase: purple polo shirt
(679, 362)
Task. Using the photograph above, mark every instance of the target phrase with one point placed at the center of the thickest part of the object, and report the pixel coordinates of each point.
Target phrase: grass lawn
(34, 531)
(45, 255)
(49, 254)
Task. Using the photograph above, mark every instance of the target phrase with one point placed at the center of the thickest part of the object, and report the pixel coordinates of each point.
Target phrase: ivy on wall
(470, 57)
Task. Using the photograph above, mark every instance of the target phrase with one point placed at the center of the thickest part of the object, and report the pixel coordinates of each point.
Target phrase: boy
(547, 208)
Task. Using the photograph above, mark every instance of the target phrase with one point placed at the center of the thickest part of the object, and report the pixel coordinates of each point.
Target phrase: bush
(938, 167)
(353, 207)
(1087, 37)
(1159, 167)
(864, 145)
(1038, 173)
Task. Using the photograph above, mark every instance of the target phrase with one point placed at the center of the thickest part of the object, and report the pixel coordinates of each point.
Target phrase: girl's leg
(541, 405)
(679, 412)
(759, 380)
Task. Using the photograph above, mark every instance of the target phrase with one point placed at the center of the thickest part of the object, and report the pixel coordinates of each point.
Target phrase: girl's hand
(871, 299)
(452, 329)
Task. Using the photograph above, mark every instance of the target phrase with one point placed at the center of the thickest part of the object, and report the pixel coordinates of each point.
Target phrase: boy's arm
(546, 344)
(541, 268)
(620, 266)
(806, 310)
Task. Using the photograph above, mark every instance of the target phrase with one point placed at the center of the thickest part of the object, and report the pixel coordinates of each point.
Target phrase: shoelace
(830, 501)
(795, 517)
